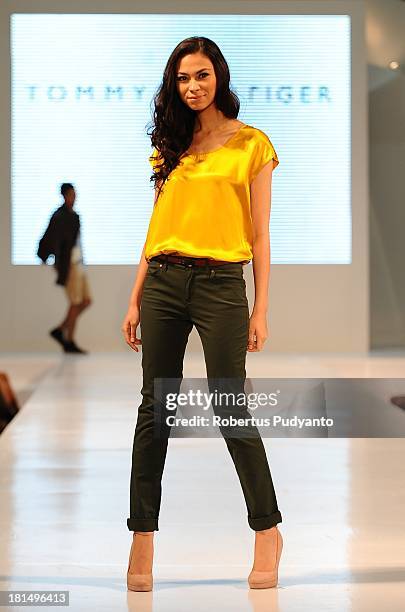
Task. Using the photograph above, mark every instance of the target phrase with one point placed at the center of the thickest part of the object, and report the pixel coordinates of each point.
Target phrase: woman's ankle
(268, 531)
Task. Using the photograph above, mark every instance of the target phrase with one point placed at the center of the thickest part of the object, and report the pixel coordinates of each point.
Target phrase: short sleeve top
(204, 207)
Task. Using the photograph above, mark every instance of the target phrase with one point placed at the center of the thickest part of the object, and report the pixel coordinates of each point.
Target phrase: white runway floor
(64, 480)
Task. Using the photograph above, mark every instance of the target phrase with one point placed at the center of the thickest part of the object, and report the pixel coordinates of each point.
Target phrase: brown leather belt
(191, 261)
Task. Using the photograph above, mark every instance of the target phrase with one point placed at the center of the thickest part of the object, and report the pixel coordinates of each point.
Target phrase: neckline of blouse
(222, 146)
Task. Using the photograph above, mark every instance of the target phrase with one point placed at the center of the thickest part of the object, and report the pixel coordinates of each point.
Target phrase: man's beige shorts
(77, 285)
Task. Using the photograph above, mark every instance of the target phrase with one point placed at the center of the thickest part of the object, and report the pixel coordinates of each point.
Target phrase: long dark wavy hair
(173, 122)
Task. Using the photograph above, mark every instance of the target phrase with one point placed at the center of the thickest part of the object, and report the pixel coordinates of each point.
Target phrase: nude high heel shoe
(265, 580)
(138, 582)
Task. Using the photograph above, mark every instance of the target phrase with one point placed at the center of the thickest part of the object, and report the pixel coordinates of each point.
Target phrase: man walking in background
(62, 239)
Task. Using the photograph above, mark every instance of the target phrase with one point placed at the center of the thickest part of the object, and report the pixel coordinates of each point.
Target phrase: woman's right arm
(136, 293)
(131, 320)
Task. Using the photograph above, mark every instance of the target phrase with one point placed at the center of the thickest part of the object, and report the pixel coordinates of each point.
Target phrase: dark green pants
(213, 299)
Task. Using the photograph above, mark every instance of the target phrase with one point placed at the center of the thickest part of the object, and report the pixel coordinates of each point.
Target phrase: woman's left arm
(260, 201)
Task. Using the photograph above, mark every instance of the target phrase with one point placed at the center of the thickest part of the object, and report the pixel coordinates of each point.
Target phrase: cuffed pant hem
(148, 524)
(265, 522)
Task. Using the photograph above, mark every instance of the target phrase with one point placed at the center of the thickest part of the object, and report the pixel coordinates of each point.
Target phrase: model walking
(62, 239)
(212, 176)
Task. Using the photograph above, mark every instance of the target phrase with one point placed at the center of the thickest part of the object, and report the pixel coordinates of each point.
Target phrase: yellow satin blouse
(204, 207)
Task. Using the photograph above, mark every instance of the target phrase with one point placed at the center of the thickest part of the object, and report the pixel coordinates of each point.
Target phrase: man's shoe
(71, 347)
(57, 334)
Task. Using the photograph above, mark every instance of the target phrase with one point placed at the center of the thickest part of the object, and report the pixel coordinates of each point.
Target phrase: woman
(211, 215)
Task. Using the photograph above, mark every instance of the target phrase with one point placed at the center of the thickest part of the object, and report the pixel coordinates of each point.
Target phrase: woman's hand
(129, 326)
(257, 332)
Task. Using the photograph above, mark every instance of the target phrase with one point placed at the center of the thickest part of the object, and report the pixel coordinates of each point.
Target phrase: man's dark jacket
(59, 239)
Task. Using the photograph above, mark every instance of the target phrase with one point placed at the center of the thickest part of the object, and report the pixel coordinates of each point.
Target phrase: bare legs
(265, 555)
(69, 323)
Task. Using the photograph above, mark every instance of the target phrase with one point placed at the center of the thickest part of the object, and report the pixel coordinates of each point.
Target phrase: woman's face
(196, 81)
